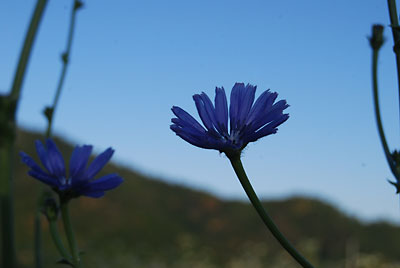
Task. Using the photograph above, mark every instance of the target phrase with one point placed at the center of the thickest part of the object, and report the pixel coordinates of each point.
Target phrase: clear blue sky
(133, 60)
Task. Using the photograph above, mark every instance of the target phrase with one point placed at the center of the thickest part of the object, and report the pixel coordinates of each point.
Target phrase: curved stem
(382, 137)
(70, 235)
(26, 50)
(241, 174)
(57, 241)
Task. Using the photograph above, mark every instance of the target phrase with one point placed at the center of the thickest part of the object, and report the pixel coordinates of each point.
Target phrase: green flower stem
(37, 239)
(49, 113)
(7, 143)
(241, 174)
(58, 242)
(375, 54)
(394, 23)
(76, 261)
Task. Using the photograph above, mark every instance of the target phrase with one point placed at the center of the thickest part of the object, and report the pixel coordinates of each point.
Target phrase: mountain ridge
(152, 223)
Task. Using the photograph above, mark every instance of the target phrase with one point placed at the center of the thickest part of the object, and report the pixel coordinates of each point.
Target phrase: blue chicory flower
(248, 122)
(80, 180)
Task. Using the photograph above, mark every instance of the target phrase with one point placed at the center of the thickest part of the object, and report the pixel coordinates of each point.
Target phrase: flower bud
(377, 39)
(50, 208)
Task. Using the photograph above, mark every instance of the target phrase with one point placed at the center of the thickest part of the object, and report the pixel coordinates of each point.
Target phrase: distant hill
(149, 223)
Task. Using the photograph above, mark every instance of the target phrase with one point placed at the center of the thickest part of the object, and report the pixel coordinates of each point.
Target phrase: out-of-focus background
(132, 61)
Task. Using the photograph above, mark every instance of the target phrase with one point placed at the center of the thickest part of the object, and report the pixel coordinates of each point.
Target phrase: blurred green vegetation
(150, 223)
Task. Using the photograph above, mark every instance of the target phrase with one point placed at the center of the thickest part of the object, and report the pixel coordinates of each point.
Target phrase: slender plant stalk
(55, 235)
(241, 174)
(26, 50)
(70, 235)
(49, 114)
(375, 54)
(37, 240)
(7, 143)
(394, 23)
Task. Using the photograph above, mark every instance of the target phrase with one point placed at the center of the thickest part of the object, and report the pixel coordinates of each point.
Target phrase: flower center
(235, 139)
(65, 181)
